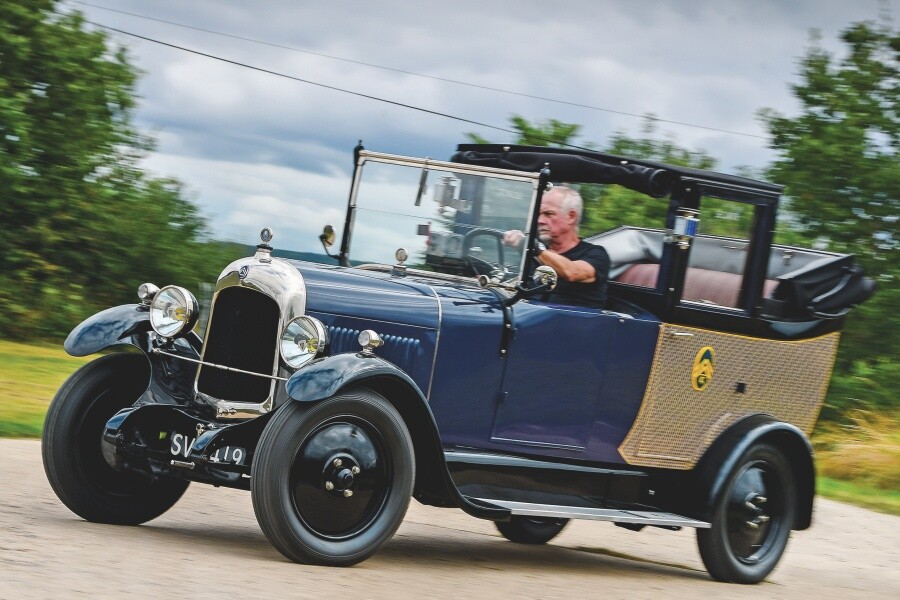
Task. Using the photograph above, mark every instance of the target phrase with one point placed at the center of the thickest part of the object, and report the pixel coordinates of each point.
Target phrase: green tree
(541, 133)
(80, 224)
(840, 160)
(608, 206)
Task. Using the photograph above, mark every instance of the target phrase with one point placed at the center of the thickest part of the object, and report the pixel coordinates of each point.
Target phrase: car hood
(371, 295)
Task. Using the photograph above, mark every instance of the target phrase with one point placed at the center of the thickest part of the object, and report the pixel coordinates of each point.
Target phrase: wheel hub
(753, 502)
(750, 513)
(339, 474)
(339, 477)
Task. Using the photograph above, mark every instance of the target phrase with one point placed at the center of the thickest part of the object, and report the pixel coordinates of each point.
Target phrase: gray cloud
(249, 143)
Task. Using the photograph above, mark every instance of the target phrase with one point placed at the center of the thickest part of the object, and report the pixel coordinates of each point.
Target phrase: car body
(425, 363)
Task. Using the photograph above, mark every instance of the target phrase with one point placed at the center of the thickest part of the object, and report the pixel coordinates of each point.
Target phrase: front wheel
(71, 450)
(531, 530)
(332, 481)
(752, 520)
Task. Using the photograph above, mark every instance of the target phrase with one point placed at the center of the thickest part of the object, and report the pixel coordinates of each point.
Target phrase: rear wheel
(531, 530)
(752, 520)
(70, 446)
(332, 481)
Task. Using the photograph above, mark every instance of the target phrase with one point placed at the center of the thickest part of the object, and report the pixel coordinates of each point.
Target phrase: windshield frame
(537, 181)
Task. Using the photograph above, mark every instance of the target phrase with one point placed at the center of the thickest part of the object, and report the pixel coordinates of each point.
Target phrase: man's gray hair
(571, 200)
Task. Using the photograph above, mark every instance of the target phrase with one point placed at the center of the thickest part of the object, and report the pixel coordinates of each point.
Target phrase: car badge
(702, 372)
(242, 274)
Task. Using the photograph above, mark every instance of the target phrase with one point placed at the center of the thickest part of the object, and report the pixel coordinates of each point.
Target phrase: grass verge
(886, 501)
(858, 459)
(29, 377)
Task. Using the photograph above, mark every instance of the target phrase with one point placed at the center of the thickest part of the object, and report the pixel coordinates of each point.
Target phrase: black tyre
(752, 520)
(70, 446)
(332, 481)
(531, 530)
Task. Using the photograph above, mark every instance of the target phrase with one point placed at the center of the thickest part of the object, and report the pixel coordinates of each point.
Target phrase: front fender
(722, 457)
(116, 325)
(326, 377)
(323, 378)
(108, 328)
(171, 379)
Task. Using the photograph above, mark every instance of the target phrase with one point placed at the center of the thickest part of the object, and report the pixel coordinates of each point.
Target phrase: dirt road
(209, 546)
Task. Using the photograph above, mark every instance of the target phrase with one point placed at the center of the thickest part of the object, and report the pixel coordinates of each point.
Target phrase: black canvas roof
(585, 166)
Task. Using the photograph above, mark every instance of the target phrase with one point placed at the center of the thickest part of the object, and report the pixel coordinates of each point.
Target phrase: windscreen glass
(448, 221)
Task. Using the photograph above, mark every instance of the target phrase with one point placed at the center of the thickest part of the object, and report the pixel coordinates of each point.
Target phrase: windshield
(449, 218)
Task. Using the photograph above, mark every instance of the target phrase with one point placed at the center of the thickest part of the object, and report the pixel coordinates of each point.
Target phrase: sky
(256, 150)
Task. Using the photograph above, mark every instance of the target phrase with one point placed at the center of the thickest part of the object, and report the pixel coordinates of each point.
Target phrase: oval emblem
(702, 372)
(243, 272)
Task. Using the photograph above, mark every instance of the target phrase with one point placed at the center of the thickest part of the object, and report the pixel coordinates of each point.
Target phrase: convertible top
(586, 166)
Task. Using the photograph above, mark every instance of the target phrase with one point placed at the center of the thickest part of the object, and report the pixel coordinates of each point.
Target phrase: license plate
(182, 444)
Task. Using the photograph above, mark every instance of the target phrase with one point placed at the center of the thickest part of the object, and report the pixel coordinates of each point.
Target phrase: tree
(607, 207)
(76, 212)
(840, 161)
(542, 133)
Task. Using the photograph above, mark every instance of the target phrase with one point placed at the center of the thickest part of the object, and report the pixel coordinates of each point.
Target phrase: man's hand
(513, 238)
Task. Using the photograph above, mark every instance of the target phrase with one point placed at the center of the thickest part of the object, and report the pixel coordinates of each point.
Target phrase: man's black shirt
(575, 293)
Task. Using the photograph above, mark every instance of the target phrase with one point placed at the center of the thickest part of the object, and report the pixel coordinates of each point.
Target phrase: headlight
(173, 311)
(302, 339)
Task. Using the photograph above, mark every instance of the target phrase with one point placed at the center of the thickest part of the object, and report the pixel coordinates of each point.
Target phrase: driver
(583, 268)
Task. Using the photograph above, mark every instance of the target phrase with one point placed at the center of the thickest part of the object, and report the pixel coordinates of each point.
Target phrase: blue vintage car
(426, 362)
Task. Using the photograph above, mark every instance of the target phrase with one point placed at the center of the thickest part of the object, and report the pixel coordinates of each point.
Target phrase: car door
(554, 374)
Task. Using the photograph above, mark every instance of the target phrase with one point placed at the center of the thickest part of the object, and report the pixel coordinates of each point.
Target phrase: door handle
(680, 334)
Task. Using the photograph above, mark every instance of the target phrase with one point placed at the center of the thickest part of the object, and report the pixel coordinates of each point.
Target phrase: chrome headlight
(173, 311)
(302, 339)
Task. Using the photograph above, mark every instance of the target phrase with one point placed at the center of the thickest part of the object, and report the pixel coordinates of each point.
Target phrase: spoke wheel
(71, 450)
(332, 481)
(531, 530)
(752, 520)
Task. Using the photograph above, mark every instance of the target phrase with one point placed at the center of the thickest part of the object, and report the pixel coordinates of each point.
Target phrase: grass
(886, 501)
(29, 377)
(858, 459)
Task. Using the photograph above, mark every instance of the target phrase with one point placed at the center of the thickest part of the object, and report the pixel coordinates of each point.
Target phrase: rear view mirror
(327, 237)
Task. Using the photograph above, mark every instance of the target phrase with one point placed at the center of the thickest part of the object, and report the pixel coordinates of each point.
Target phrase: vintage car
(425, 362)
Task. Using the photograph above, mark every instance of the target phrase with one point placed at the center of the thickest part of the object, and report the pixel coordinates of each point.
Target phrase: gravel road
(209, 546)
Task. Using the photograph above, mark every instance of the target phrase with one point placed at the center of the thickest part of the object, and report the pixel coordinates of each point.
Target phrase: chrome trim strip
(427, 163)
(437, 341)
(214, 365)
(507, 460)
(640, 517)
(539, 444)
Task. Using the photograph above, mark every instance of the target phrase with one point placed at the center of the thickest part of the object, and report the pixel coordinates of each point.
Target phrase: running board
(637, 517)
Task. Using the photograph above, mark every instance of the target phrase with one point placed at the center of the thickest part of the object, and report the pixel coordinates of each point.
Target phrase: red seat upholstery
(701, 285)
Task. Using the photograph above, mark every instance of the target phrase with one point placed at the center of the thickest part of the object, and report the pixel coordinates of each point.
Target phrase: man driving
(583, 268)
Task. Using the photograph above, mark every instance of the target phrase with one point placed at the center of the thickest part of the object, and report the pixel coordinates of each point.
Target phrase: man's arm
(568, 270)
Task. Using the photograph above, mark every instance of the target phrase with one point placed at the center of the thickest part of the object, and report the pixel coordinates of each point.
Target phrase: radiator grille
(243, 332)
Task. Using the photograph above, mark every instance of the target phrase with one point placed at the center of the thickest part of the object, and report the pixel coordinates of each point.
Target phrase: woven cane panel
(677, 423)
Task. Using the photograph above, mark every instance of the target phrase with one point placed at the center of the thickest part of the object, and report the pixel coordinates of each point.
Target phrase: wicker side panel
(677, 423)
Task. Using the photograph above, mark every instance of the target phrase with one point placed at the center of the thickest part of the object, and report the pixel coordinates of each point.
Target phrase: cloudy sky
(255, 149)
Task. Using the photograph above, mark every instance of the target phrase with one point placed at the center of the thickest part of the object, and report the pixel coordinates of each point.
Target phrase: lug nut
(761, 499)
(337, 462)
(354, 470)
(763, 518)
(752, 525)
(329, 486)
(348, 493)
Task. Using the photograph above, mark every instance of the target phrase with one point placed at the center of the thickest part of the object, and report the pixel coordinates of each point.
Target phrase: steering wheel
(479, 265)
